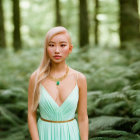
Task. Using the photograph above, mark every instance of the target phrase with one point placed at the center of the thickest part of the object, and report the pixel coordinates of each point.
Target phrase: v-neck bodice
(50, 110)
(46, 92)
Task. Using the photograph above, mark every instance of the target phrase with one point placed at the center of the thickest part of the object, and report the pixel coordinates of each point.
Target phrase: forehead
(59, 38)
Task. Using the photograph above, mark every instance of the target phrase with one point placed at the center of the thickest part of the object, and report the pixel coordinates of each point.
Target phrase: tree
(58, 15)
(129, 22)
(83, 24)
(16, 22)
(2, 30)
(96, 22)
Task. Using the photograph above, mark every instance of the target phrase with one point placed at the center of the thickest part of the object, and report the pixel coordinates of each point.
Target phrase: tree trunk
(16, 22)
(129, 22)
(83, 24)
(2, 30)
(58, 15)
(69, 14)
(96, 22)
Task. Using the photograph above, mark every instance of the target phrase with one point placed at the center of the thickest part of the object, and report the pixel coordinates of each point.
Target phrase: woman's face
(59, 48)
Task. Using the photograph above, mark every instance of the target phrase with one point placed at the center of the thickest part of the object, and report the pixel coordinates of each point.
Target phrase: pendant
(57, 83)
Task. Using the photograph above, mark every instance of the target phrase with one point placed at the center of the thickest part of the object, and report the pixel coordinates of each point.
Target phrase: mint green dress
(50, 110)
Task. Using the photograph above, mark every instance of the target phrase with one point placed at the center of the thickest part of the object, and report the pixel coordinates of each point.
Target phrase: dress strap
(76, 77)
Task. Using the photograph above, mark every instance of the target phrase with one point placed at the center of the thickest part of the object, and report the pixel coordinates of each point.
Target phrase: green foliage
(113, 92)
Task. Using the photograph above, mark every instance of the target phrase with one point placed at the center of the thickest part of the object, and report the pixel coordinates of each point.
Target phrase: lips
(57, 56)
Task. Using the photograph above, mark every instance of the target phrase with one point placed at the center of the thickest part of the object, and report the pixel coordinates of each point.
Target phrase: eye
(63, 45)
(51, 45)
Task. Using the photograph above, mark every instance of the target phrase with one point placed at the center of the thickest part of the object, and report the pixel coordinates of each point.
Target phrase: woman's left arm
(82, 107)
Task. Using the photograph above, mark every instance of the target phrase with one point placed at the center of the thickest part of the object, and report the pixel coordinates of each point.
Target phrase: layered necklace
(57, 80)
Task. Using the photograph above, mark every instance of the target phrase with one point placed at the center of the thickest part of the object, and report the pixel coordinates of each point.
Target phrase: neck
(58, 69)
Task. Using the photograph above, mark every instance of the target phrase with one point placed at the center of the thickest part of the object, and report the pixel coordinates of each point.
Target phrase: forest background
(106, 40)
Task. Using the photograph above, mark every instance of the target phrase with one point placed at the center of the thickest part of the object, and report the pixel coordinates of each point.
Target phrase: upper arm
(82, 103)
(30, 93)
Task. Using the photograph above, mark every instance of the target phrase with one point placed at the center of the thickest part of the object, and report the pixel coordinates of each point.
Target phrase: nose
(57, 49)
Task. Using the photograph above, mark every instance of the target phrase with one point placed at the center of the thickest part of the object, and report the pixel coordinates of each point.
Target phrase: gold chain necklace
(57, 80)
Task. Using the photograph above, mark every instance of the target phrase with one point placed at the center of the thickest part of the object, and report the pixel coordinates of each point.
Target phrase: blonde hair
(44, 68)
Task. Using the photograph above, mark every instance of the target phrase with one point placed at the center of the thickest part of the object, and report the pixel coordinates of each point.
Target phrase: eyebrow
(60, 42)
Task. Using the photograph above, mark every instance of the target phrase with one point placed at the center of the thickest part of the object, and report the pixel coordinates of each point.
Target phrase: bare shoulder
(32, 80)
(33, 76)
(82, 82)
(81, 78)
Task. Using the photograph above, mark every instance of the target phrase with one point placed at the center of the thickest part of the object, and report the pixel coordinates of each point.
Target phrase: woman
(59, 91)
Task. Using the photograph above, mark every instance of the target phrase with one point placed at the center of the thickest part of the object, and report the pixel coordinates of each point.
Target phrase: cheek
(49, 51)
(65, 51)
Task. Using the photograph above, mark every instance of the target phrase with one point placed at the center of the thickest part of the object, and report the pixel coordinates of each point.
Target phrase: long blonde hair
(44, 68)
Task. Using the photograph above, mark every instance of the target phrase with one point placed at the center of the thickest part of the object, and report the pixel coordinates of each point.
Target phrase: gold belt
(57, 121)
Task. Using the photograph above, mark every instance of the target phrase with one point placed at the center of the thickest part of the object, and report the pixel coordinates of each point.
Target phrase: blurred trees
(16, 24)
(129, 22)
(83, 23)
(96, 21)
(58, 13)
(2, 30)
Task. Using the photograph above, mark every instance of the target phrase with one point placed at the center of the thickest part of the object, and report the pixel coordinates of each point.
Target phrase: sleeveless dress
(50, 110)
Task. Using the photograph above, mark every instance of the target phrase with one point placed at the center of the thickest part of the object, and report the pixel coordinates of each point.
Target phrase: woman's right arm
(32, 115)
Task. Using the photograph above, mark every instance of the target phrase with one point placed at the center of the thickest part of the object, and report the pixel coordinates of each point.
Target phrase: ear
(70, 48)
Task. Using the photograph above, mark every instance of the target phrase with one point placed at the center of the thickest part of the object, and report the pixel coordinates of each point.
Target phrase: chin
(57, 61)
